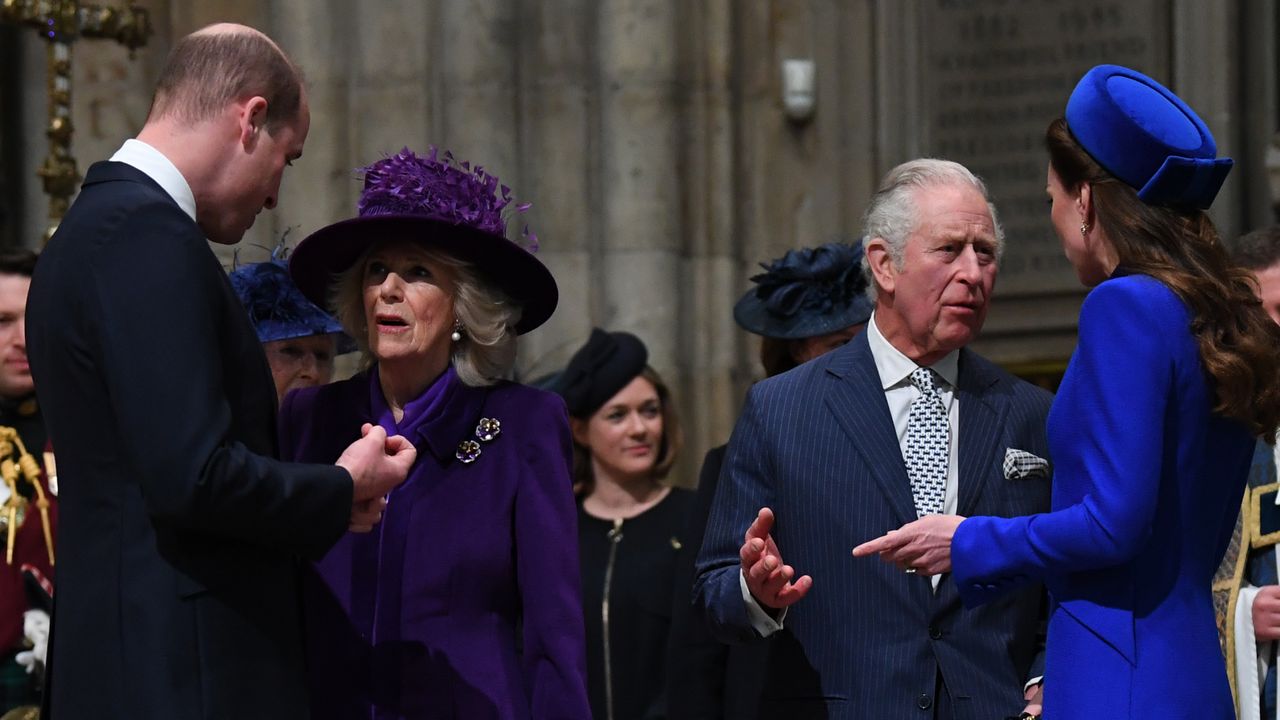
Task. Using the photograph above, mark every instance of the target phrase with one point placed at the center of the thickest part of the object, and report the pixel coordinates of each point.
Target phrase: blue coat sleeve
(1114, 399)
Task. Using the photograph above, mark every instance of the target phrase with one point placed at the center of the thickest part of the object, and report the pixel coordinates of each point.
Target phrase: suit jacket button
(924, 702)
(935, 632)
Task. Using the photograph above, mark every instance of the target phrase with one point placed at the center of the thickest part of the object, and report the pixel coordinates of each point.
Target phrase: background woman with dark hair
(1153, 428)
(805, 304)
(630, 524)
(299, 338)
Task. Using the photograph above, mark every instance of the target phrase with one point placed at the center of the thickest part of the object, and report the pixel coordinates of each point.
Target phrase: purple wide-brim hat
(331, 250)
(440, 205)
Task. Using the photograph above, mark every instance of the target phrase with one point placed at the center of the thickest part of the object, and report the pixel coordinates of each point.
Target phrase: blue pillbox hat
(1146, 136)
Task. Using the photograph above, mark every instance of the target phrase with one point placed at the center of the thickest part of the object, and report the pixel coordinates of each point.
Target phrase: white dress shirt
(895, 371)
(152, 163)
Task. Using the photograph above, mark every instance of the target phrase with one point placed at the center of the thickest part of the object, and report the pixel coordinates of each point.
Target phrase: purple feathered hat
(440, 203)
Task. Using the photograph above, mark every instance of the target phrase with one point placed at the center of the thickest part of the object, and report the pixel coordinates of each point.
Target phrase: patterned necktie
(928, 445)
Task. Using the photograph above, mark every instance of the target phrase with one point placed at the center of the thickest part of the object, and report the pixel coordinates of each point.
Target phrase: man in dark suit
(706, 679)
(180, 535)
(900, 422)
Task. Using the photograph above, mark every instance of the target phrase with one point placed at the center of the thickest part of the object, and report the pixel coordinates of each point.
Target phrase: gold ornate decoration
(62, 22)
(17, 464)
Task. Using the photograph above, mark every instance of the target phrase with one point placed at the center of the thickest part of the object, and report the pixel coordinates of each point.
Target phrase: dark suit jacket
(177, 575)
(817, 445)
(707, 679)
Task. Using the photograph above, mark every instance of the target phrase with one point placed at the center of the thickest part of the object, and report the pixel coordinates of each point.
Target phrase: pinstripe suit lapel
(857, 401)
(981, 420)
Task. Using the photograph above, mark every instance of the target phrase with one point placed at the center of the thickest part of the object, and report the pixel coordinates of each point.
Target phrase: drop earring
(1084, 229)
(457, 331)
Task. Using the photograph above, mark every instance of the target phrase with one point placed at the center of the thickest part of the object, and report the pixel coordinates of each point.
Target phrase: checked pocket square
(1022, 464)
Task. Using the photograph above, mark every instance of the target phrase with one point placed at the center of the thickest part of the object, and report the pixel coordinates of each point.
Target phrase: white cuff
(760, 620)
(1250, 665)
(1033, 682)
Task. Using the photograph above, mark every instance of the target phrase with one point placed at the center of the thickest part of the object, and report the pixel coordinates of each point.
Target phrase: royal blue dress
(1147, 484)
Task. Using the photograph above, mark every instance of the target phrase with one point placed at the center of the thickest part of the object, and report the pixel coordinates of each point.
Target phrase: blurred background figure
(18, 406)
(19, 682)
(1248, 574)
(631, 524)
(806, 303)
(300, 339)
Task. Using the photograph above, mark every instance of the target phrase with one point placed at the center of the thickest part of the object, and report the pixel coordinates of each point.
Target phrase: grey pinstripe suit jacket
(817, 445)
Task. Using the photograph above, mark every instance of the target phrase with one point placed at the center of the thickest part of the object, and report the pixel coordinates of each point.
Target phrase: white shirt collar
(895, 368)
(152, 163)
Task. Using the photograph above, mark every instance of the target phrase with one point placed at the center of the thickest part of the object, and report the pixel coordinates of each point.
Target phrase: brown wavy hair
(584, 480)
(1180, 247)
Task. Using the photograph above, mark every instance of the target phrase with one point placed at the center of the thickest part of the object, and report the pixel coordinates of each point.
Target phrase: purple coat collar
(439, 419)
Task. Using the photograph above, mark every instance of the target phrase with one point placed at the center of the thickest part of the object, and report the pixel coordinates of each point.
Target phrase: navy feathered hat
(1146, 136)
(806, 293)
(598, 370)
(277, 308)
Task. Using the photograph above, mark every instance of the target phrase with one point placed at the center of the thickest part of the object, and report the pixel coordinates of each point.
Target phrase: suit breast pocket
(1024, 496)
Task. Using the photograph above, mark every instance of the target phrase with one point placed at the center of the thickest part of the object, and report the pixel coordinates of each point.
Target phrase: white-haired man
(900, 422)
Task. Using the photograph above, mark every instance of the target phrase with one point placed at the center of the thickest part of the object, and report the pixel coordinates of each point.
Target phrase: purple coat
(464, 601)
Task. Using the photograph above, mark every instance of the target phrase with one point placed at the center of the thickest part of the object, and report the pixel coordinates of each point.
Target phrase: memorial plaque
(994, 73)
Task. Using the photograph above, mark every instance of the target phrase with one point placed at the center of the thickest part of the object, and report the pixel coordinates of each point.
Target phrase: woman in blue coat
(1153, 427)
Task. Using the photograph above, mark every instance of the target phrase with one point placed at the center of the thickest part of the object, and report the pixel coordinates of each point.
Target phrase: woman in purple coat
(464, 601)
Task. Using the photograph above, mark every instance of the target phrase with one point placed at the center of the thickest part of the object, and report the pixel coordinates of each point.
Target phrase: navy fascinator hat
(806, 293)
(1146, 136)
(277, 309)
(598, 370)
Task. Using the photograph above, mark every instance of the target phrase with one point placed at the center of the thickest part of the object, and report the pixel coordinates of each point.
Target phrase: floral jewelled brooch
(486, 431)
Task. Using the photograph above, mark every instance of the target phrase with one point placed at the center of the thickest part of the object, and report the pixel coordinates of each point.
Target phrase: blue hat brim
(278, 310)
(751, 315)
(273, 332)
(329, 251)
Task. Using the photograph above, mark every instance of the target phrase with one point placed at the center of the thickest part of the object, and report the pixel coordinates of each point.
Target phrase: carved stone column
(711, 345)
(321, 186)
(559, 168)
(640, 183)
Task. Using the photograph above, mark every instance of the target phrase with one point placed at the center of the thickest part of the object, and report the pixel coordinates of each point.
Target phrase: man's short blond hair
(209, 69)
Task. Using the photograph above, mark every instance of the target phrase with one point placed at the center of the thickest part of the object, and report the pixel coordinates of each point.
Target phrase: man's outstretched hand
(768, 579)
